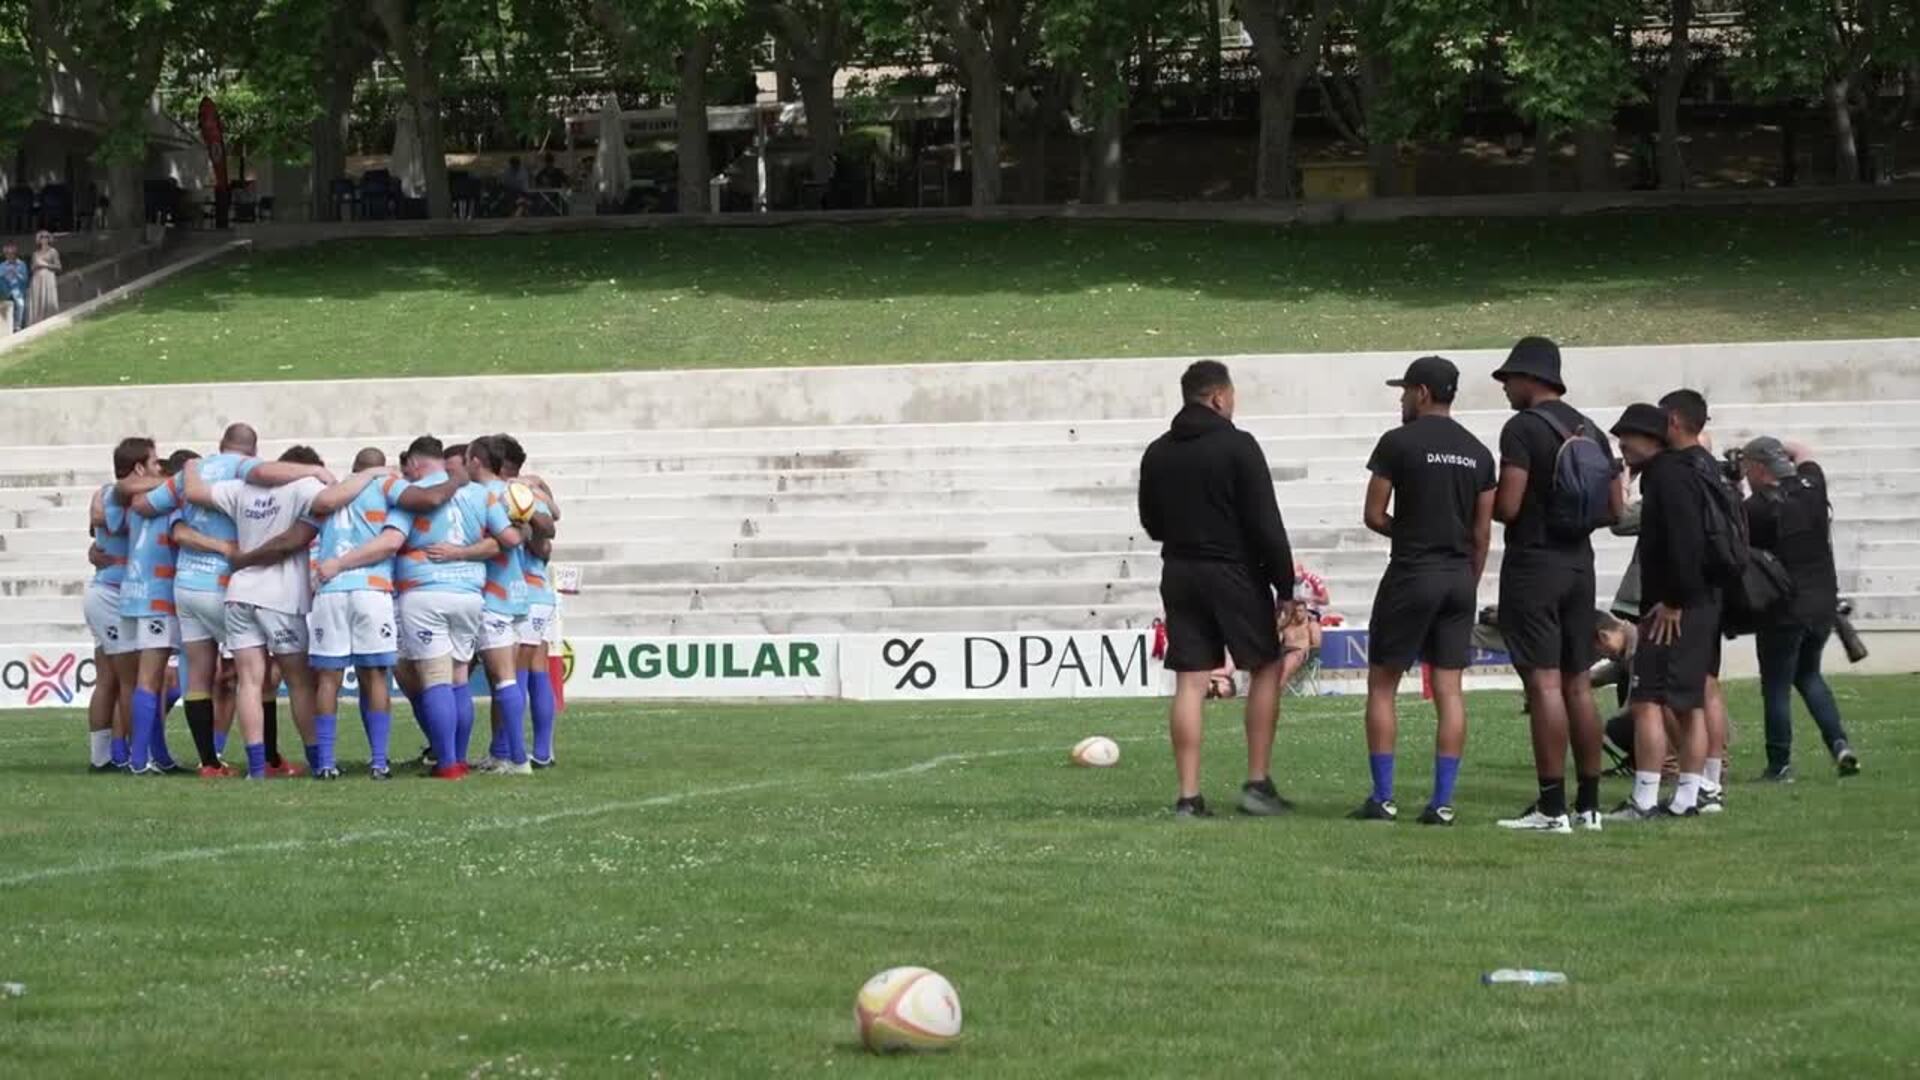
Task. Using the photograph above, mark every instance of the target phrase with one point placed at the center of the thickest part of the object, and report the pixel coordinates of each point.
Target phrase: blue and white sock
(379, 727)
(1446, 770)
(146, 716)
(325, 730)
(462, 694)
(440, 713)
(509, 709)
(1381, 765)
(540, 707)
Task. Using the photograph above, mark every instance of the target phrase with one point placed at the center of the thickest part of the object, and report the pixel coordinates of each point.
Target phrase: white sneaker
(493, 765)
(1535, 821)
(1712, 802)
(1588, 820)
(508, 768)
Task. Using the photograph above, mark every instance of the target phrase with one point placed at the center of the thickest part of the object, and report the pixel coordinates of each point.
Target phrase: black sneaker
(1712, 802)
(1846, 760)
(328, 773)
(379, 772)
(102, 770)
(539, 764)
(1436, 815)
(1669, 811)
(1629, 812)
(1782, 775)
(1376, 811)
(1195, 807)
(1262, 799)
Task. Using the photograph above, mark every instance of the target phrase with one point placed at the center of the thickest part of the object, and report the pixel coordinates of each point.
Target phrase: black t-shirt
(1438, 470)
(1672, 550)
(1529, 442)
(1795, 522)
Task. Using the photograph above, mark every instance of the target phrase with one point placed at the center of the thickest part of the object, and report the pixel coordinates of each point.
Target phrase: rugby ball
(907, 1008)
(1095, 752)
(521, 501)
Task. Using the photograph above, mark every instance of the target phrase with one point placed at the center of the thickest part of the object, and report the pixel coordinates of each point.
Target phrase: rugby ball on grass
(907, 1008)
(1096, 752)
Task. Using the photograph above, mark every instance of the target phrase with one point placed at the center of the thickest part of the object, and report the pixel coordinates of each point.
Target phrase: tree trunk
(128, 197)
(983, 122)
(335, 89)
(1594, 150)
(433, 148)
(423, 93)
(690, 116)
(783, 81)
(1383, 160)
(1672, 166)
(1846, 154)
(1104, 150)
(1542, 160)
(1036, 128)
(823, 122)
(1383, 153)
(1216, 79)
(1273, 169)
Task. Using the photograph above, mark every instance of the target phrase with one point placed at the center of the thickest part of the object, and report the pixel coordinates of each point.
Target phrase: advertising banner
(703, 667)
(1004, 664)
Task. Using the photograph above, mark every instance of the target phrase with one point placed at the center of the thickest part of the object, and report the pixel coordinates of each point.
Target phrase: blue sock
(160, 754)
(172, 699)
(419, 716)
(1382, 767)
(219, 743)
(462, 720)
(324, 729)
(1446, 770)
(540, 707)
(313, 754)
(509, 712)
(146, 714)
(256, 761)
(379, 727)
(119, 749)
(439, 711)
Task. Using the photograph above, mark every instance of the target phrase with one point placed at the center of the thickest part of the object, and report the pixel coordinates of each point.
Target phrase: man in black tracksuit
(1680, 633)
(1206, 494)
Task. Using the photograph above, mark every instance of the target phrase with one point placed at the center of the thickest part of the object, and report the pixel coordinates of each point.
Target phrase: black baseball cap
(1436, 373)
(1642, 418)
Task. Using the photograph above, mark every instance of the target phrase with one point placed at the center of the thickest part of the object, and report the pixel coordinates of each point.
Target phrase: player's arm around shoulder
(335, 497)
(418, 499)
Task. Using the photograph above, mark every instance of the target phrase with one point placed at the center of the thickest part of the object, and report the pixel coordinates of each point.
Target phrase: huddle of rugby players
(257, 572)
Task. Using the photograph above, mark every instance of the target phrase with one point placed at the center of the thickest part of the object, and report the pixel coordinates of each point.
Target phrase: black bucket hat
(1535, 357)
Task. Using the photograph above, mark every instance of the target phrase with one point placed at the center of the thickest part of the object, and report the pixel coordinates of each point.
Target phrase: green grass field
(704, 897)
(693, 298)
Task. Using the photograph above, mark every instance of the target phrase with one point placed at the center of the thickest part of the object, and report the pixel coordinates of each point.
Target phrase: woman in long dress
(43, 295)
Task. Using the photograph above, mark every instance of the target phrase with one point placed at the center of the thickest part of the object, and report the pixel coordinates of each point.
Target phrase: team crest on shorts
(319, 634)
(113, 633)
(425, 636)
(157, 627)
(385, 632)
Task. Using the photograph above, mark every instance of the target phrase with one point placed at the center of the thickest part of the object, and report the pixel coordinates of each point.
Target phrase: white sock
(1646, 789)
(1713, 774)
(1687, 795)
(100, 746)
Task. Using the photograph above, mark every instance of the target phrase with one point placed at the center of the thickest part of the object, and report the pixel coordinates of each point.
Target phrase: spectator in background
(14, 277)
(550, 174)
(515, 179)
(1789, 514)
(43, 295)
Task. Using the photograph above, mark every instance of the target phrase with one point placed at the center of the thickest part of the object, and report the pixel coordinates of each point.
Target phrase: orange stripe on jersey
(165, 539)
(535, 580)
(163, 571)
(374, 517)
(495, 590)
(499, 560)
(492, 499)
(379, 584)
(422, 524)
(162, 607)
(417, 555)
(224, 578)
(405, 585)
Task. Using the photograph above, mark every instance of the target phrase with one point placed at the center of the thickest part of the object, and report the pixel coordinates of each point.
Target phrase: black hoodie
(1206, 494)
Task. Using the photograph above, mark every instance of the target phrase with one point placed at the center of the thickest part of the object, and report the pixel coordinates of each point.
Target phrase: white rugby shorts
(436, 623)
(252, 627)
(143, 632)
(498, 631)
(203, 615)
(101, 606)
(537, 626)
(352, 629)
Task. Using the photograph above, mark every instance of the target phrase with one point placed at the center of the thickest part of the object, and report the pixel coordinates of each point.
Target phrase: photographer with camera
(1789, 515)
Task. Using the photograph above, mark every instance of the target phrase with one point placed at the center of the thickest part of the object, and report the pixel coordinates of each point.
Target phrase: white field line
(487, 825)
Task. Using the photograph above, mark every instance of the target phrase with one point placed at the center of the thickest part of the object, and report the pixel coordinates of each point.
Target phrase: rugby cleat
(1782, 775)
(1376, 811)
(1195, 807)
(1436, 815)
(221, 771)
(539, 763)
(1712, 802)
(1262, 799)
(379, 772)
(326, 772)
(1846, 760)
(1532, 820)
(508, 768)
(285, 768)
(1589, 820)
(450, 772)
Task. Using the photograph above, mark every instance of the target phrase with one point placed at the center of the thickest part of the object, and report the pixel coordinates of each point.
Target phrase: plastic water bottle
(1523, 977)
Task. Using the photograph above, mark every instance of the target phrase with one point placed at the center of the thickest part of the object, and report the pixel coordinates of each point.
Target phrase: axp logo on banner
(45, 677)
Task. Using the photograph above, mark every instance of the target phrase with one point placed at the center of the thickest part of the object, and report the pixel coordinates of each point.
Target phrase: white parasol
(611, 173)
(407, 164)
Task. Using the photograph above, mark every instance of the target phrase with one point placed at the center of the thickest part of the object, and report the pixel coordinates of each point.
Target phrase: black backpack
(1728, 556)
(1764, 590)
(1579, 501)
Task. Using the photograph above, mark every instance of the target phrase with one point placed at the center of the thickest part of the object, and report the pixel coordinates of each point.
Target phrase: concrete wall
(1320, 385)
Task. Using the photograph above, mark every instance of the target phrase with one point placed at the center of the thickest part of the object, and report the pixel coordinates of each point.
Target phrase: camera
(1733, 465)
(1849, 637)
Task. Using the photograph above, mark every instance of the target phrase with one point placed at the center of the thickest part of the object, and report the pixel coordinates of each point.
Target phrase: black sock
(270, 727)
(1553, 796)
(1264, 786)
(200, 723)
(1587, 795)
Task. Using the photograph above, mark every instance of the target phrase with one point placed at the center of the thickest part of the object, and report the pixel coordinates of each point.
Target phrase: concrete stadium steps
(917, 528)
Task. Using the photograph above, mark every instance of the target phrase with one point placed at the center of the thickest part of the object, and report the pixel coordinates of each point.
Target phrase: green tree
(1091, 42)
(991, 43)
(673, 43)
(1672, 165)
(1286, 45)
(116, 49)
(1568, 69)
(1839, 51)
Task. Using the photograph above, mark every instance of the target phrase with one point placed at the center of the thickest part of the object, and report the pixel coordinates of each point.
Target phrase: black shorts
(1215, 607)
(1546, 613)
(1675, 675)
(1422, 613)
